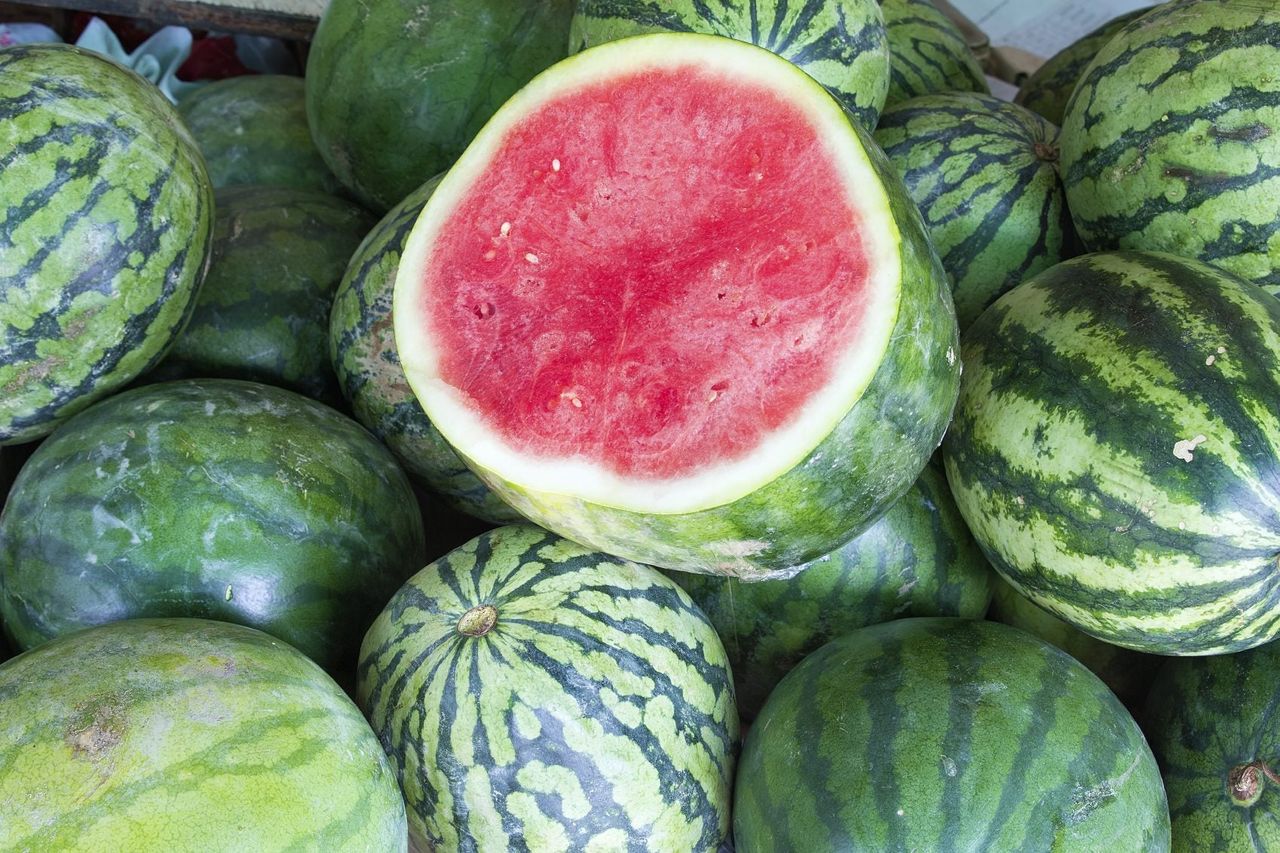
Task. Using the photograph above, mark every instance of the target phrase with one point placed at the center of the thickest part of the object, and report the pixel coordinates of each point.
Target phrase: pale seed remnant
(490, 255)
(555, 165)
(505, 229)
(531, 258)
(1183, 449)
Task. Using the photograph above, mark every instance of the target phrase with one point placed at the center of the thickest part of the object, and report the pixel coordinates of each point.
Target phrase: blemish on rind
(951, 356)
(1183, 449)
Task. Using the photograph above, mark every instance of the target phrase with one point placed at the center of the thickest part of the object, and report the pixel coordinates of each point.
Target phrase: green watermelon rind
(92, 292)
(927, 53)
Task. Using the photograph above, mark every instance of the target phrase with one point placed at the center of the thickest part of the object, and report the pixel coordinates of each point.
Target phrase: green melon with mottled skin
(536, 695)
(212, 498)
(821, 488)
(396, 89)
(362, 347)
(253, 130)
(1126, 672)
(106, 214)
(1116, 450)
(946, 734)
(156, 735)
(840, 43)
(1214, 725)
(263, 313)
(1171, 140)
(927, 53)
(1048, 89)
(917, 560)
(984, 174)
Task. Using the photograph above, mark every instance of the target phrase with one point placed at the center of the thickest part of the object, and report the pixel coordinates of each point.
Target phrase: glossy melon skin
(253, 130)
(927, 53)
(397, 88)
(210, 498)
(263, 313)
(535, 695)
(184, 734)
(946, 734)
(843, 480)
(107, 212)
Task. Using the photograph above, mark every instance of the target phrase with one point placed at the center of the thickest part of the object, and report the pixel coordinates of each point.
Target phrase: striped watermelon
(984, 174)
(927, 53)
(363, 351)
(157, 735)
(253, 130)
(1116, 450)
(1048, 89)
(946, 734)
(213, 498)
(1171, 141)
(840, 43)
(1214, 728)
(1126, 672)
(263, 313)
(534, 695)
(751, 349)
(105, 219)
(917, 560)
(396, 90)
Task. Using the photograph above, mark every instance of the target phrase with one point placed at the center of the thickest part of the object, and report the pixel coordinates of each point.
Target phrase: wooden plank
(289, 19)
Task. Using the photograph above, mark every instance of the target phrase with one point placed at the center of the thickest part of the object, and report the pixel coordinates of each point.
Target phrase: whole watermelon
(1116, 453)
(253, 130)
(946, 734)
(397, 88)
(984, 174)
(535, 695)
(917, 560)
(1171, 140)
(156, 735)
(1214, 729)
(212, 498)
(362, 347)
(927, 53)
(842, 43)
(105, 219)
(263, 313)
(1048, 89)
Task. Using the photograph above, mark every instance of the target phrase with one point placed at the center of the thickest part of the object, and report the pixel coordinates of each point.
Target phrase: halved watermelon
(673, 304)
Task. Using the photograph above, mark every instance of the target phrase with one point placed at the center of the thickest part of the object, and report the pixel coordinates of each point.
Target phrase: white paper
(1042, 27)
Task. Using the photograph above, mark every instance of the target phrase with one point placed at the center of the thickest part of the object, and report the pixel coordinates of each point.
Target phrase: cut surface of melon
(657, 279)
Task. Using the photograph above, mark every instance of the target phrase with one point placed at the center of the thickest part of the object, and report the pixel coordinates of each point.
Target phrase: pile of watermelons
(709, 378)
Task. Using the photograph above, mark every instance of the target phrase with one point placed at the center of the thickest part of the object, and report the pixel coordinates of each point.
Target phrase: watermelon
(1116, 450)
(840, 43)
(253, 130)
(1171, 140)
(363, 351)
(212, 498)
(535, 695)
(750, 349)
(927, 53)
(1126, 672)
(946, 734)
(984, 175)
(106, 213)
(263, 313)
(1213, 727)
(1047, 91)
(397, 88)
(185, 734)
(917, 560)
